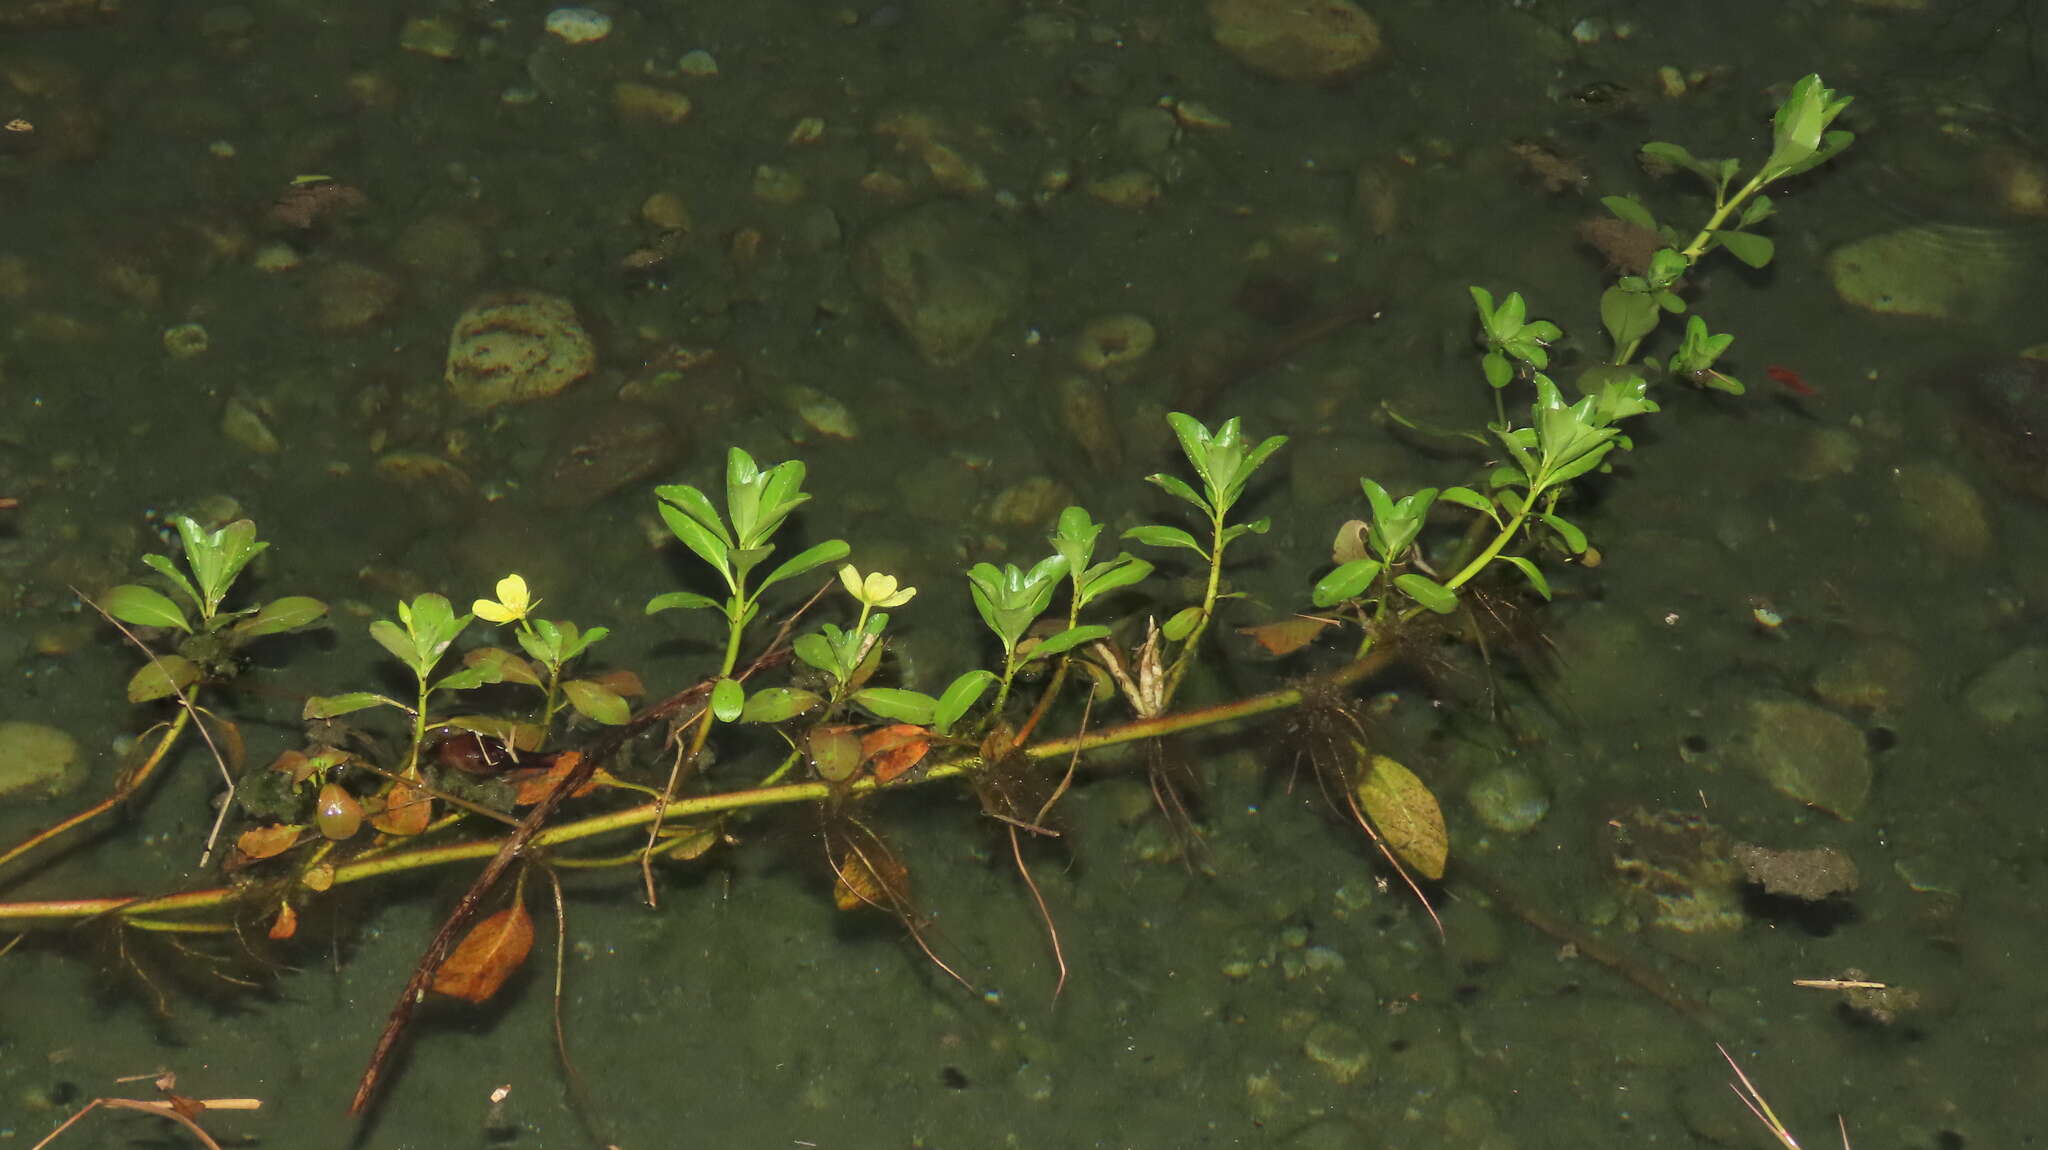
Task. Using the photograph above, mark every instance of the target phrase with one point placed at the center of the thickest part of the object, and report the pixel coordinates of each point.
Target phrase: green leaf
(1074, 536)
(959, 698)
(689, 600)
(816, 650)
(133, 603)
(467, 679)
(697, 506)
(1348, 581)
(1629, 210)
(1466, 497)
(1182, 624)
(1757, 210)
(778, 704)
(1483, 300)
(1678, 157)
(1067, 640)
(1179, 489)
(1257, 526)
(217, 557)
(162, 565)
(1574, 540)
(1534, 573)
(809, 559)
(1194, 443)
(707, 546)
(1377, 499)
(508, 667)
(1428, 592)
(162, 676)
(1156, 535)
(1123, 571)
(332, 706)
(279, 615)
(1752, 249)
(1496, 368)
(598, 703)
(400, 644)
(728, 698)
(1628, 316)
(898, 705)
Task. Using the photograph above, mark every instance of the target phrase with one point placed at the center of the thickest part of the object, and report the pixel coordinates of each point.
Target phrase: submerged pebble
(578, 25)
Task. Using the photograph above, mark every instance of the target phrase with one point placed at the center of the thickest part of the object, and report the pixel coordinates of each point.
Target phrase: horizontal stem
(31, 913)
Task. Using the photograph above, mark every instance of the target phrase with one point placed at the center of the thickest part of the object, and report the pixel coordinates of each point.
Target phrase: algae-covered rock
(1300, 41)
(1927, 270)
(37, 762)
(517, 346)
(1808, 753)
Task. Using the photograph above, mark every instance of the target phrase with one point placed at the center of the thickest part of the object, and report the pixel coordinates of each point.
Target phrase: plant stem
(147, 912)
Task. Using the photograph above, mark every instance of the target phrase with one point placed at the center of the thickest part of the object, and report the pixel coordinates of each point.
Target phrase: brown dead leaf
(407, 808)
(537, 783)
(894, 749)
(1286, 636)
(286, 924)
(479, 965)
(621, 682)
(864, 883)
(268, 841)
(1407, 816)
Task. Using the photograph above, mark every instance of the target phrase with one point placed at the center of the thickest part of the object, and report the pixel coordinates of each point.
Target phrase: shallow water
(1303, 266)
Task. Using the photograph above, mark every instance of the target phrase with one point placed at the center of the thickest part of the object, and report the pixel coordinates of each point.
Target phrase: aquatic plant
(822, 692)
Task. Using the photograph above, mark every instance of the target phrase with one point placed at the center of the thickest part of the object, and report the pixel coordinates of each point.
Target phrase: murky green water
(1303, 263)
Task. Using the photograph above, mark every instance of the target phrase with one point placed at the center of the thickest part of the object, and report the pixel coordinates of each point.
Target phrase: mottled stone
(1300, 41)
(1808, 753)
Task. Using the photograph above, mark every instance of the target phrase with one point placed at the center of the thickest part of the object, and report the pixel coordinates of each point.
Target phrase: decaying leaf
(407, 808)
(688, 842)
(537, 783)
(1406, 814)
(286, 924)
(894, 749)
(835, 753)
(868, 878)
(268, 841)
(1286, 636)
(479, 965)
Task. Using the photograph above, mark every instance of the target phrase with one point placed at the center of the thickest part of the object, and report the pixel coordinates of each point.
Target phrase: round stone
(517, 346)
(579, 25)
(1508, 799)
(37, 762)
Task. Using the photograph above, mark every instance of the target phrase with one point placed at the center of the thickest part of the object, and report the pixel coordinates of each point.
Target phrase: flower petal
(492, 612)
(512, 593)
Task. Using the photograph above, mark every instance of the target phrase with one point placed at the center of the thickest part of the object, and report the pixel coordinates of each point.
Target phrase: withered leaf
(866, 879)
(407, 808)
(1406, 814)
(894, 749)
(479, 965)
(535, 784)
(268, 841)
(286, 924)
(1286, 636)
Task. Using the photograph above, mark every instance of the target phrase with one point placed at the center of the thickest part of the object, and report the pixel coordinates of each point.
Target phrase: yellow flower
(876, 589)
(511, 604)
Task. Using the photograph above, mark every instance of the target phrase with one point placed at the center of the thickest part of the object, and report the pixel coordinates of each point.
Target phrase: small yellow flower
(511, 604)
(876, 589)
